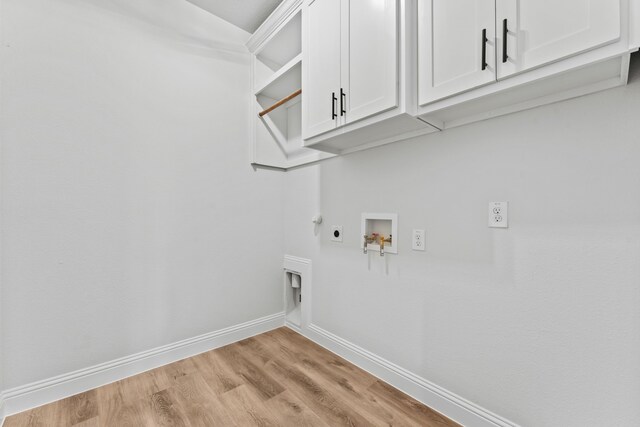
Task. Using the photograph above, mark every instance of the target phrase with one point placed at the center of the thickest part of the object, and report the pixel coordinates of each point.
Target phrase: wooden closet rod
(279, 103)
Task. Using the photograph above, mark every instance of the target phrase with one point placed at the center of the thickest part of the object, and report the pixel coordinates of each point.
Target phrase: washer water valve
(376, 239)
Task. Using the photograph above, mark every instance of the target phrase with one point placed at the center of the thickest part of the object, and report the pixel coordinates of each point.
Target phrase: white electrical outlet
(336, 233)
(418, 240)
(499, 214)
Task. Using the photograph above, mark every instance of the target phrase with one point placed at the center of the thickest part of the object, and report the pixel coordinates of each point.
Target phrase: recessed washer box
(383, 224)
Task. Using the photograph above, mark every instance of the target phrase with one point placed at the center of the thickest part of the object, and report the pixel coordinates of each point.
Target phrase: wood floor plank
(316, 352)
(292, 411)
(201, 404)
(278, 378)
(303, 349)
(312, 391)
(217, 374)
(347, 384)
(134, 414)
(260, 380)
(91, 422)
(115, 410)
(81, 407)
(317, 398)
(247, 408)
(255, 351)
(143, 385)
(165, 410)
(411, 407)
(369, 407)
(176, 370)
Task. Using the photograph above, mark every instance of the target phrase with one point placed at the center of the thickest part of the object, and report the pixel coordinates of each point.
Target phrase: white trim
(42, 392)
(272, 23)
(295, 259)
(402, 137)
(541, 101)
(447, 403)
(1, 409)
(634, 24)
(624, 71)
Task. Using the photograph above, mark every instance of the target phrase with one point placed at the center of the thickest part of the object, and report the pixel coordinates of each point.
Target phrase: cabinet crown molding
(269, 26)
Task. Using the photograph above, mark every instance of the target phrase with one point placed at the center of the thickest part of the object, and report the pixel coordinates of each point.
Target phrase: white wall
(130, 212)
(539, 323)
(130, 215)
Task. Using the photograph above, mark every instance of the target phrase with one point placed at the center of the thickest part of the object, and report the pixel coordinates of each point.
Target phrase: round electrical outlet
(336, 233)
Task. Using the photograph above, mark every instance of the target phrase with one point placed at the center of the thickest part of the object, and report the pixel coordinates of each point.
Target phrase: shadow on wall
(167, 21)
(634, 69)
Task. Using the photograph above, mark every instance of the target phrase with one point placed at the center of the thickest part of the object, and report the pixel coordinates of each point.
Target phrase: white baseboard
(1, 409)
(42, 392)
(449, 404)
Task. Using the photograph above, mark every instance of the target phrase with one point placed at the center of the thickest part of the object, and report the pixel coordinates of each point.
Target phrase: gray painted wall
(130, 212)
(538, 323)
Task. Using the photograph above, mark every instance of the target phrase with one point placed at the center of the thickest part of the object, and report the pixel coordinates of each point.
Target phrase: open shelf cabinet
(284, 81)
(276, 66)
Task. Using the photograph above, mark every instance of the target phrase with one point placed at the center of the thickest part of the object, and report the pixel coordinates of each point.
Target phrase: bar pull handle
(505, 33)
(366, 242)
(343, 102)
(334, 100)
(484, 49)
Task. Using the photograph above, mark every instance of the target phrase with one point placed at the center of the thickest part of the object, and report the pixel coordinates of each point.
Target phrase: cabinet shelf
(278, 50)
(283, 82)
(284, 44)
(276, 96)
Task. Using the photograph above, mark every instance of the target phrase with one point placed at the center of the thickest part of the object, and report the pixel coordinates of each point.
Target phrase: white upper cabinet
(321, 77)
(359, 74)
(369, 57)
(535, 52)
(532, 33)
(332, 77)
(456, 42)
(351, 50)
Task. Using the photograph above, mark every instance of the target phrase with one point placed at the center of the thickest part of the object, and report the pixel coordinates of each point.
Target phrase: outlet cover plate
(418, 240)
(499, 214)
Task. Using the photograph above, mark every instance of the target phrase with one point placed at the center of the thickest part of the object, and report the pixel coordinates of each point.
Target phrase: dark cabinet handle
(505, 33)
(343, 101)
(334, 100)
(484, 49)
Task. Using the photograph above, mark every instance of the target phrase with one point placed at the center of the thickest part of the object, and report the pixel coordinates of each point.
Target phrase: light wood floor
(275, 379)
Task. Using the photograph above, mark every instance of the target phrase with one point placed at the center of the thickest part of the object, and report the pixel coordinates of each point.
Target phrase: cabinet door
(369, 58)
(321, 64)
(537, 32)
(456, 47)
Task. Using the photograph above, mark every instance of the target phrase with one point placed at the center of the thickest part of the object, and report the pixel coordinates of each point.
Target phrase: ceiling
(246, 14)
